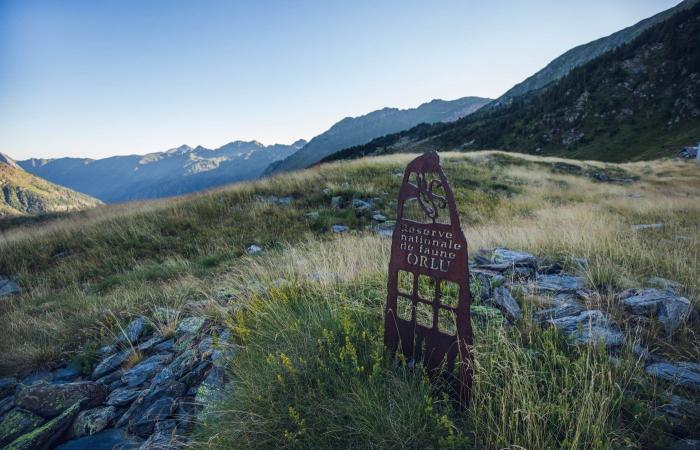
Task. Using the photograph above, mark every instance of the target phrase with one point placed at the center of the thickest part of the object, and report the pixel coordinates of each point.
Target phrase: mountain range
(640, 100)
(23, 193)
(163, 174)
(358, 130)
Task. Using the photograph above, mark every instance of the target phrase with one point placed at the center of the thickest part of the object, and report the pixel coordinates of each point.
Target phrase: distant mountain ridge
(638, 101)
(359, 130)
(22, 193)
(581, 54)
(173, 172)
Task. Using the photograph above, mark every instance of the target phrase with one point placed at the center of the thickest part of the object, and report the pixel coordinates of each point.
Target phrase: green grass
(307, 311)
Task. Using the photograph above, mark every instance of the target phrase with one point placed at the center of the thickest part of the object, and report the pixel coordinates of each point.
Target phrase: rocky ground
(146, 389)
(144, 392)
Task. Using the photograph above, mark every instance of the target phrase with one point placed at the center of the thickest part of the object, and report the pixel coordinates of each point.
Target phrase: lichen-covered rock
(49, 400)
(17, 422)
(151, 343)
(211, 388)
(665, 305)
(6, 404)
(45, 435)
(92, 421)
(190, 325)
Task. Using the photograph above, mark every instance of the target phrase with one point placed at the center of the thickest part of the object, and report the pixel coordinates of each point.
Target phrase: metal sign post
(426, 315)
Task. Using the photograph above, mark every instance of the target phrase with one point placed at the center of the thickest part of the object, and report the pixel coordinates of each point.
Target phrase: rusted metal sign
(426, 315)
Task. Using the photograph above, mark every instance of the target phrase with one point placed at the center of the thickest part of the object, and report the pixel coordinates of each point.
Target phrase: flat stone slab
(562, 310)
(684, 374)
(512, 257)
(589, 327)
(504, 301)
(49, 400)
(559, 283)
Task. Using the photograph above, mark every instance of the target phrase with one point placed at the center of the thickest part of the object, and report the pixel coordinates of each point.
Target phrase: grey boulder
(686, 374)
(504, 301)
(589, 327)
(665, 305)
(92, 421)
(8, 287)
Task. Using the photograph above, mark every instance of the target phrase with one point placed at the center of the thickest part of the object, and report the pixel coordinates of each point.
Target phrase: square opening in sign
(426, 287)
(447, 321)
(405, 282)
(404, 308)
(424, 315)
(449, 294)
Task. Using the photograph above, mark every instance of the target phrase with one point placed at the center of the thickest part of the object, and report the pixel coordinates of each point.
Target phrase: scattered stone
(110, 364)
(144, 370)
(111, 439)
(183, 363)
(648, 226)
(339, 228)
(67, 373)
(385, 229)
(123, 396)
(46, 435)
(312, 215)
(361, 205)
(504, 301)
(684, 374)
(133, 331)
(379, 217)
(38, 377)
(211, 388)
(511, 257)
(336, 202)
(8, 287)
(590, 326)
(327, 192)
(17, 422)
(253, 249)
(49, 400)
(7, 386)
(92, 421)
(562, 310)
(151, 343)
(165, 346)
(559, 283)
(190, 325)
(552, 269)
(665, 305)
(160, 409)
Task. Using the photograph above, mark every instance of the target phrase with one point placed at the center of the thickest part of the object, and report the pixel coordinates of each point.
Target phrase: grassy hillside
(310, 370)
(637, 102)
(26, 194)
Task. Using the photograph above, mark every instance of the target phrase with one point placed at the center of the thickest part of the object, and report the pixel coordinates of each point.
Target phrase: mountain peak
(299, 143)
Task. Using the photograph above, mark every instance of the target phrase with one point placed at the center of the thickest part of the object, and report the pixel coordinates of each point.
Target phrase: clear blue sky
(96, 78)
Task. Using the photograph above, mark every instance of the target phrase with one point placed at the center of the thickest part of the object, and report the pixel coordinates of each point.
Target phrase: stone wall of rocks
(150, 404)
